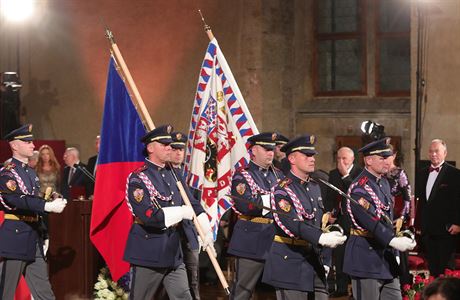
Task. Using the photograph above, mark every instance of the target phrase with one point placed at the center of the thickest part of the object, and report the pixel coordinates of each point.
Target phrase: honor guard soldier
(370, 253)
(280, 161)
(253, 232)
(23, 236)
(161, 219)
(294, 265)
(191, 249)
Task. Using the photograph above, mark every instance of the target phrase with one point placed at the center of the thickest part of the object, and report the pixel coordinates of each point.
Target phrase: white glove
(187, 212)
(208, 235)
(332, 239)
(402, 243)
(326, 270)
(46, 245)
(56, 206)
(398, 260)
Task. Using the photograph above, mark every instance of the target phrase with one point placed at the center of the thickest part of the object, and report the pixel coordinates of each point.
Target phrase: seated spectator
(48, 169)
(442, 288)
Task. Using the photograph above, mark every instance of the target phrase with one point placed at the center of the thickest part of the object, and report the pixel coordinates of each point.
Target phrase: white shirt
(431, 180)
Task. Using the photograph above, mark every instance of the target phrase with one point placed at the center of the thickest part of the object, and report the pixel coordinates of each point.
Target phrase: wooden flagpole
(139, 103)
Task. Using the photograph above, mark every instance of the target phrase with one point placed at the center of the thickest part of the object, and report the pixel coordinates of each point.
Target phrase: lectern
(72, 258)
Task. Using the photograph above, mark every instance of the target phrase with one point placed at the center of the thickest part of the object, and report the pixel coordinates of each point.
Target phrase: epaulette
(242, 168)
(285, 182)
(140, 169)
(10, 166)
(363, 180)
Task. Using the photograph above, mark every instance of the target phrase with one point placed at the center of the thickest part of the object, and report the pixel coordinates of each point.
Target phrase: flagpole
(138, 102)
(150, 126)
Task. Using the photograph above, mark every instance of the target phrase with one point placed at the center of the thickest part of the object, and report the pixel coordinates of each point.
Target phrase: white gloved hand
(326, 270)
(207, 231)
(266, 203)
(46, 245)
(187, 212)
(402, 243)
(332, 239)
(56, 206)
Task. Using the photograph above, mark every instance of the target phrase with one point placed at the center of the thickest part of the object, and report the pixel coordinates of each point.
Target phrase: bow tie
(434, 169)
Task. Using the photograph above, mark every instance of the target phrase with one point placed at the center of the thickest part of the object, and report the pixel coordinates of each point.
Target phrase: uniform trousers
(320, 292)
(35, 273)
(248, 272)
(366, 288)
(146, 281)
(191, 258)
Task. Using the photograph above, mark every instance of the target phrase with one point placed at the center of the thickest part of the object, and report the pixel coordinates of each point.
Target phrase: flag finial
(207, 28)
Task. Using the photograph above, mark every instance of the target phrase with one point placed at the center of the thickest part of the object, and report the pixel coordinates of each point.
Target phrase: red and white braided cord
(350, 213)
(298, 206)
(21, 184)
(275, 215)
(3, 201)
(152, 190)
(255, 188)
(127, 196)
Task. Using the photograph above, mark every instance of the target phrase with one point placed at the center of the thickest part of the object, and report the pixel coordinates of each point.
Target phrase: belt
(290, 241)
(363, 233)
(29, 219)
(255, 219)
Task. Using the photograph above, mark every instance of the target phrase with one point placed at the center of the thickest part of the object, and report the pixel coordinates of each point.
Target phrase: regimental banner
(219, 128)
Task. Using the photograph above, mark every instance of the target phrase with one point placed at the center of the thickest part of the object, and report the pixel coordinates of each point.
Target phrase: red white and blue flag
(219, 128)
(120, 153)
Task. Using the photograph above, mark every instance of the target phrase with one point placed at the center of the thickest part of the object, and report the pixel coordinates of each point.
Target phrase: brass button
(285, 257)
(17, 230)
(146, 236)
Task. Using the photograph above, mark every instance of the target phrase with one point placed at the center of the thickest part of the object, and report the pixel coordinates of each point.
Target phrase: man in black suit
(438, 211)
(341, 177)
(92, 161)
(74, 178)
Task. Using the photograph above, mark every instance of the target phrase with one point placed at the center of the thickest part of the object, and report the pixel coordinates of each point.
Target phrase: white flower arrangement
(107, 289)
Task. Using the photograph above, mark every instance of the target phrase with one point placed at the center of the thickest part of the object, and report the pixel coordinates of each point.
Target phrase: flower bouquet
(107, 289)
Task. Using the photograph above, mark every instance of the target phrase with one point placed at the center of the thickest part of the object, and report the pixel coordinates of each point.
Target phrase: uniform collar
(18, 162)
(372, 176)
(257, 167)
(154, 165)
(298, 179)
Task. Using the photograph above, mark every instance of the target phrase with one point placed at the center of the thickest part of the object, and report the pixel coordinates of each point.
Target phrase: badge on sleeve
(11, 185)
(364, 203)
(241, 188)
(285, 205)
(138, 194)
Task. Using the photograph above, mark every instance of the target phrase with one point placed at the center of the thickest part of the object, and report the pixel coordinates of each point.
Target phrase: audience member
(48, 169)
(438, 209)
(74, 180)
(443, 288)
(32, 162)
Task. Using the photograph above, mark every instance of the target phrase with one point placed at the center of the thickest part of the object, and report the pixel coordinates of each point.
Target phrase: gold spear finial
(207, 28)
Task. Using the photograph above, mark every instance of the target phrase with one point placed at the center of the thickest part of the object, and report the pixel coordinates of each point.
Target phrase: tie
(71, 172)
(434, 169)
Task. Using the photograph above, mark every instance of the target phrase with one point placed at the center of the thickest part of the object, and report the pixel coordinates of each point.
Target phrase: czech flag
(120, 153)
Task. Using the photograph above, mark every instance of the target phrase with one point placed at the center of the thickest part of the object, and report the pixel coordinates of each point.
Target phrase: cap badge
(168, 129)
(274, 136)
(179, 136)
(312, 139)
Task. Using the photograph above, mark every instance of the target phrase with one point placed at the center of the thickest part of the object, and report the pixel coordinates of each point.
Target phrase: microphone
(85, 171)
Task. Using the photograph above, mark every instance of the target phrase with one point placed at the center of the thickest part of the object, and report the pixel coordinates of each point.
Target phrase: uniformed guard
(154, 247)
(280, 161)
(191, 249)
(23, 236)
(295, 265)
(253, 232)
(370, 255)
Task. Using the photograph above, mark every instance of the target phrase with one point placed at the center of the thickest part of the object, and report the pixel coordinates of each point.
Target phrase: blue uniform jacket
(294, 267)
(370, 257)
(150, 243)
(249, 239)
(18, 239)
